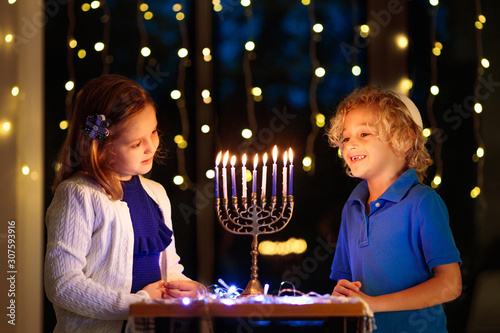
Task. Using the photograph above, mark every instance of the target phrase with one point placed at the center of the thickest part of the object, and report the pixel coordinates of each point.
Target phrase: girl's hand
(183, 288)
(155, 289)
(346, 288)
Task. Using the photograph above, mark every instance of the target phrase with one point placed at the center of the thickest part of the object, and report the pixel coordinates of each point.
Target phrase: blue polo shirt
(395, 247)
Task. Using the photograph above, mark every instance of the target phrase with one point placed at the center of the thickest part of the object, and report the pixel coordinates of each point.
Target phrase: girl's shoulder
(82, 183)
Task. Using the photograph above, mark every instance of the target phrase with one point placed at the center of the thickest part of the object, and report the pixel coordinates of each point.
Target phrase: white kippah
(417, 118)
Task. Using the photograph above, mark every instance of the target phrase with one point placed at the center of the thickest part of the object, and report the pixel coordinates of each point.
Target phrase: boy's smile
(366, 154)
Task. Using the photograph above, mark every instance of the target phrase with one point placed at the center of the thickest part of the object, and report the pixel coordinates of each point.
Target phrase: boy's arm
(445, 286)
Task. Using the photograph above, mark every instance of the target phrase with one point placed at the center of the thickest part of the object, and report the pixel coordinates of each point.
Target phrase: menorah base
(253, 288)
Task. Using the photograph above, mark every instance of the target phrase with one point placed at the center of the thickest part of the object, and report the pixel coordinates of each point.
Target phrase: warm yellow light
(320, 120)
(178, 138)
(434, 2)
(180, 16)
(63, 125)
(206, 51)
(485, 63)
(306, 2)
(405, 84)
(480, 152)
(245, 3)
(246, 133)
(182, 53)
(82, 53)
(401, 41)
(177, 7)
(307, 161)
(143, 7)
(481, 18)
(217, 7)
(478, 107)
(436, 51)
(25, 170)
(207, 58)
(248, 175)
(339, 152)
(291, 246)
(210, 174)
(205, 129)
(145, 51)
(72, 43)
(11, 2)
(175, 94)
(320, 72)
(256, 91)
(178, 180)
(69, 85)
(318, 28)
(426, 132)
(95, 4)
(437, 180)
(249, 46)
(434, 90)
(85, 7)
(15, 91)
(356, 70)
(99, 46)
(478, 25)
(182, 144)
(9, 38)
(148, 15)
(438, 45)
(475, 192)
(205, 93)
(6, 126)
(364, 30)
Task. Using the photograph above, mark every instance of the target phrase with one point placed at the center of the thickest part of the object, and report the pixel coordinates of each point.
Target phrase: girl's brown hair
(393, 122)
(119, 99)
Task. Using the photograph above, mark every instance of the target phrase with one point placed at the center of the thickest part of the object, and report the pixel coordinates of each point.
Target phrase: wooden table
(254, 311)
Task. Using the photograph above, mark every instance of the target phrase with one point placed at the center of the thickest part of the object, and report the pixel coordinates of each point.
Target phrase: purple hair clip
(96, 126)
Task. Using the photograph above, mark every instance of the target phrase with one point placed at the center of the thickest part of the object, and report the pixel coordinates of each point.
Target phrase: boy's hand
(183, 288)
(346, 288)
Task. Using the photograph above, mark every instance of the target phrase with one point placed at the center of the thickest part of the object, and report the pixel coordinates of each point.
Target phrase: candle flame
(285, 159)
(233, 161)
(290, 155)
(255, 161)
(226, 157)
(217, 160)
(264, 159)
(244, 159)
(275, 154)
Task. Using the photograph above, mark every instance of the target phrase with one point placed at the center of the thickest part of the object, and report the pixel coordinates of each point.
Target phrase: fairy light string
(143, 38)
(180, 96)
(252, 93)
(71, 41)
(482, 63)
(313, 87)
(434, 90)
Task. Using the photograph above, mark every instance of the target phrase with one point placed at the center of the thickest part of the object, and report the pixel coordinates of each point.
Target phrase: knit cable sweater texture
(89, 258)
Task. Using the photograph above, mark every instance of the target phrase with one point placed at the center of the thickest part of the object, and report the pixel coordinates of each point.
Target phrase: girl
(109, 233)
(395, 249)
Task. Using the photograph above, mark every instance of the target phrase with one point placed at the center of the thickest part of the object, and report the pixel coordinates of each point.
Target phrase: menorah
(248, 217)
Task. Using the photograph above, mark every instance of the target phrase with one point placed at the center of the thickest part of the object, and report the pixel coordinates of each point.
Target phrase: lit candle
(264, 175)
(224, 174)
(233, 175)
(254, 178)
(244, 176)
(285, 173)
(275, 169)
(290, 182)
(217, 161)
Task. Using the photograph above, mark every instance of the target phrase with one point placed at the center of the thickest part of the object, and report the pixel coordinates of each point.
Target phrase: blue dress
(151, 235)
(395, 247)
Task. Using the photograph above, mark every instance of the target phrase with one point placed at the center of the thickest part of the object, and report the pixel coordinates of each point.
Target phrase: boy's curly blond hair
(393, 122)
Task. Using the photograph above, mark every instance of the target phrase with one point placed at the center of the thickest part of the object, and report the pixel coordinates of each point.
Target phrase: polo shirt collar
(396, 192)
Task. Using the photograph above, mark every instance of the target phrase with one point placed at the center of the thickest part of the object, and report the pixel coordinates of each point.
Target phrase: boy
(395, 248)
